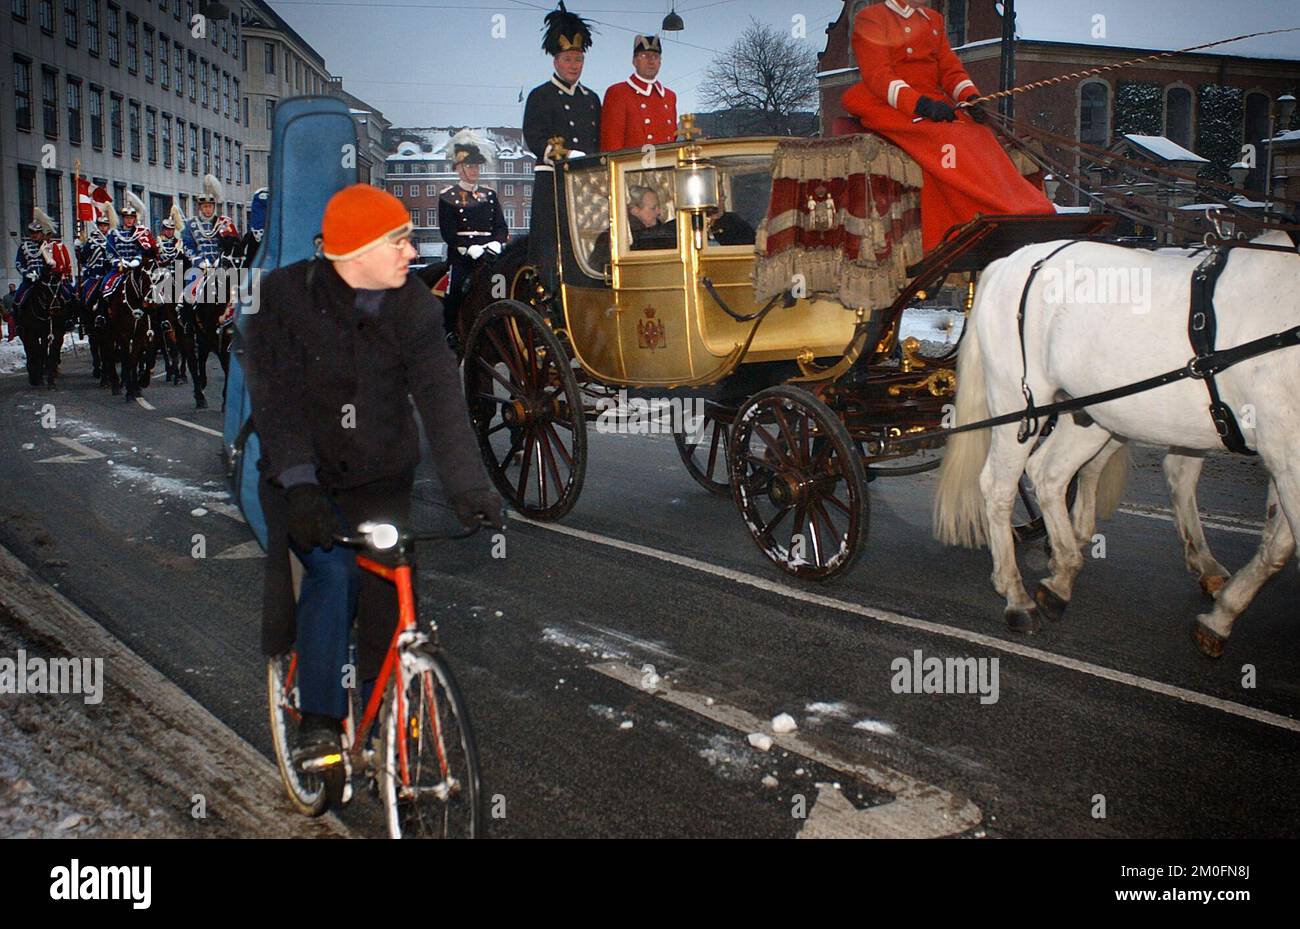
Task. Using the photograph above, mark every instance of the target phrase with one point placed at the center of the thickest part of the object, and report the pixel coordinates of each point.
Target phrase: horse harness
(1202, 326)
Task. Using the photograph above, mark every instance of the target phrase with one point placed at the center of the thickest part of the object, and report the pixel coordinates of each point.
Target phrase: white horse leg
(1181, 474)
(1276, 548)
(999, 484)
(1083, 515)
(1068, 451)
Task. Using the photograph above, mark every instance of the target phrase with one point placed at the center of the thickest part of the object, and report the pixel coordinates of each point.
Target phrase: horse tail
(1112, 482)
(959, 517)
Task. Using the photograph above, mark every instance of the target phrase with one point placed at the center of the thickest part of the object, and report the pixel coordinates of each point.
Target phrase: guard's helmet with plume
(212, 192)
(565, 31)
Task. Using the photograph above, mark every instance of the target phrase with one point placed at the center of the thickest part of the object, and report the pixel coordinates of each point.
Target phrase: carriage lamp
(697, 190)
(1051, 185)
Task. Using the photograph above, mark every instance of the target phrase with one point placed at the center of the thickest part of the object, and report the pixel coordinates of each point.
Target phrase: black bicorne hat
(468, 155)
(647, 43)
(565, 31)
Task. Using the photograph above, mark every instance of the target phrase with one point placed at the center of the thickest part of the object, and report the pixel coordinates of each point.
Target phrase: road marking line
(195, 426)
(922, 625)
(1222, 523)
(84, 454)
(145, 403)
(918, 810)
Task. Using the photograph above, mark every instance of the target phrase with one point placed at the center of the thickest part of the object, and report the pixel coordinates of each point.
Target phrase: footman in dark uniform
(472, 225)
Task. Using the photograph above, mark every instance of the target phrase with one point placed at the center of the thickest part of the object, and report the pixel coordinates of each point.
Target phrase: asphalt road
(550, 642)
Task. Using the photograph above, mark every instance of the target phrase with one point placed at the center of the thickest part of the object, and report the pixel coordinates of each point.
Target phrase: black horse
(43, 320)
(129, 334)
(211, 332)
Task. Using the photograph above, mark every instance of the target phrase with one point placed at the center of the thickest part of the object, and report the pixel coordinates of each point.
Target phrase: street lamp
(1051, 185)
(1238, 173)
(673, 22)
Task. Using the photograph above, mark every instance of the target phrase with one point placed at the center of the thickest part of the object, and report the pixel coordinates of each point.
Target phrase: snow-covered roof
(1292, 136)
(504, 143)
(1164, 148)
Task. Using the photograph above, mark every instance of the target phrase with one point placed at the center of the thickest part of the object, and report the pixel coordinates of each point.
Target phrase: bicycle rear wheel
(306, 791)
(429, 778)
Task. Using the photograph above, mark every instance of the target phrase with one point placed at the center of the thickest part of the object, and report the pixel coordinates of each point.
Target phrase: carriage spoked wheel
(526, 409)
(703, 449)
(798, 481)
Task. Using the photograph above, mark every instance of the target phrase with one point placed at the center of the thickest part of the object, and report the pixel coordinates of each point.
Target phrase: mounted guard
(93, 256)
(471, 222)
(29, 259)
(207, 236)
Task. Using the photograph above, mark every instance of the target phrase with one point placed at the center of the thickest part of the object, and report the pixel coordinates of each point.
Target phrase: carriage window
(587, 191)
(744, 190)
(650, 223)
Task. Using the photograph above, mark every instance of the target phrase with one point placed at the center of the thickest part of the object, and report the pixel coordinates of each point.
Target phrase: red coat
(636, 113)
(903, 54)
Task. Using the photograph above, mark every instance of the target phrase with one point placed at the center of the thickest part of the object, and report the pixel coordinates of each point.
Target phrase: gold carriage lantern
(696, 181)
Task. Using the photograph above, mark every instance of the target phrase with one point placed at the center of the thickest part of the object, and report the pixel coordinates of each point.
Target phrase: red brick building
(1211, 103)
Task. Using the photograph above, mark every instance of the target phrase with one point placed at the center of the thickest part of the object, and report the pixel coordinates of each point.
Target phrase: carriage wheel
(526, 410)
(704, 452)
(799, 483)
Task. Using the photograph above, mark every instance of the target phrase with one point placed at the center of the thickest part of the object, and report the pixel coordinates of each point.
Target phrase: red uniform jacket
(903, 54)
(636, 113)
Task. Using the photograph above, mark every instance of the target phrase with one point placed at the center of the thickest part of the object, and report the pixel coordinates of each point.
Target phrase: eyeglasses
(399, 244)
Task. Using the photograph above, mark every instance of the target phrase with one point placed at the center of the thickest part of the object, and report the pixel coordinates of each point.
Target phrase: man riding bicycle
(335, 351)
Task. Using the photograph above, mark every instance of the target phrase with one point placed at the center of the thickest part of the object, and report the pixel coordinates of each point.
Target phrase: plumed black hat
(468, 155)
(565, 31)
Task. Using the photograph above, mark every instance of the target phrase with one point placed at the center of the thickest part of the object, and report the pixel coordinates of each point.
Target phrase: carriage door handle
(608, 274)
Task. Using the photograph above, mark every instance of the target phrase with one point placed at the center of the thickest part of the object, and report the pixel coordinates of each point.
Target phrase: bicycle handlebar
(402, 539)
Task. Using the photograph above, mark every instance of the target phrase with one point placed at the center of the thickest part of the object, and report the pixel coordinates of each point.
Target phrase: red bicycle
(426, 765)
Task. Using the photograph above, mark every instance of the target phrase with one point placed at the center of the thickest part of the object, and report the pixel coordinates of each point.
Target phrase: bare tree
(764, 79)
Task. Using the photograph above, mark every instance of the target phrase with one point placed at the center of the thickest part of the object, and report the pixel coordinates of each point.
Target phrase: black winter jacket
(333, 387)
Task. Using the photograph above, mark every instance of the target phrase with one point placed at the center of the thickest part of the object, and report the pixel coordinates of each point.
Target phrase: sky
(464, 62)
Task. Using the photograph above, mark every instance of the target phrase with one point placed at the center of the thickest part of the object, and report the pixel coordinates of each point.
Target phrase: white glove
(577, 154)
(494, 247)
(31, 276)
(475, 252)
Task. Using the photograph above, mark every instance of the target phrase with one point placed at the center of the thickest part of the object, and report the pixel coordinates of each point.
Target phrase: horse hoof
(1211, 584)
(1026, 622)
(1209, 642)
(1049, 604)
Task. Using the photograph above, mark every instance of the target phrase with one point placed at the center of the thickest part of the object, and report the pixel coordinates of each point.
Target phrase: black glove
(935, 110)
(471, 506)
(312, 522)
(977, 113)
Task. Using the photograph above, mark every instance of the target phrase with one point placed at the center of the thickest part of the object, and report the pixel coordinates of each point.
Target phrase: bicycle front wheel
(429, 776)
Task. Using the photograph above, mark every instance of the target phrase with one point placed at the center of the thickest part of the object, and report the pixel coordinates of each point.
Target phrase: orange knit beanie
(358, 218)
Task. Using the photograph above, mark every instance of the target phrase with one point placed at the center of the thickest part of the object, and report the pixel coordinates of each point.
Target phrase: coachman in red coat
(641, 110)
(908, 70)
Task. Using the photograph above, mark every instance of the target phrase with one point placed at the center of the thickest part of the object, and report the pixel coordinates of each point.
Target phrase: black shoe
(317, 738)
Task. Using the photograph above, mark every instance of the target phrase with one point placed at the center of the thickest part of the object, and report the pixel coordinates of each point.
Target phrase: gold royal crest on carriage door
(650, 331)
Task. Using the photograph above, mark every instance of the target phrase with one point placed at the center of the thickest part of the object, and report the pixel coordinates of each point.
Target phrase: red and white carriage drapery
(844, 219)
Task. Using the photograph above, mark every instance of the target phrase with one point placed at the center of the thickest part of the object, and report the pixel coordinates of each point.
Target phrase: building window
(114, 24)
(270, 113)
(115, 122)
(239, 162)
(180, 145)
(225, 94)
(528, 190)
(54, 196)
(509, 190)
(1094, 113)
(510, 216)
(268, 57)
(954, 14)
(203, 81)
(92, 27)
(164, 61)
(50, 102)
(191, 73)
(159, 206)
(194, 149)
(415, 217)
(23, 93)
(528, 219)
(207, 152)
(167, 140)
(132, 43)
(74, 111)
(431, 190)
(235, 94)
(19, 9)
(246, 121)
(151, 134)
(148, 53)
(71, 23)
(397, 190)
(1178, 116)
(431, 218)
(248, 167)
(509, 167)
(178, 57)
(47, 16)
(133, 127)
(230, 157)
(96, 117)
(26, 194)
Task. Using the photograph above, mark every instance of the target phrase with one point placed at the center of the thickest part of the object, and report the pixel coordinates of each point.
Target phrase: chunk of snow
(760, 741)
(782, 723)
(770, 781)
(625, 724)
(198, 511)
(871, 725)
(28, 446)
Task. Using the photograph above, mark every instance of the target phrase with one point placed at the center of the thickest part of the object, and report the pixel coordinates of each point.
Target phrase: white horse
(1079, 342)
